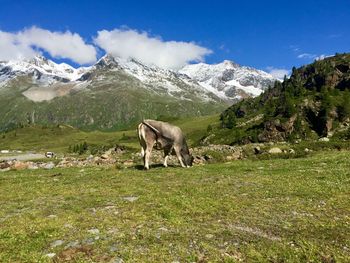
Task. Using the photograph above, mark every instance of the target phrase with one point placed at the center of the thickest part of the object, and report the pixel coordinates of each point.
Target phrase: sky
(269, 35)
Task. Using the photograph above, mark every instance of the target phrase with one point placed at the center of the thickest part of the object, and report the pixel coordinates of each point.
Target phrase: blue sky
(261, 34)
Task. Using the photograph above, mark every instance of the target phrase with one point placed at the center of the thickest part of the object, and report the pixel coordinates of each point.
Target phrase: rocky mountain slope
(111, 94)
(314, 102)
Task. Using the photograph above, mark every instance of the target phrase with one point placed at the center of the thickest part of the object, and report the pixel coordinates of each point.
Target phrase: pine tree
(344, 108)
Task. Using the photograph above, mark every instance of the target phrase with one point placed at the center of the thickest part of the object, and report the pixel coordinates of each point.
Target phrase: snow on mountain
(226, 81)
(153, 78)
(41, 69)
(229, 80)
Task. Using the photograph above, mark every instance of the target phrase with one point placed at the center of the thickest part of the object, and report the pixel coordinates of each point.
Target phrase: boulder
(275, 150)
(18, 165)
(4, 165)
(323, 139)
(49, 165)
(257, 150)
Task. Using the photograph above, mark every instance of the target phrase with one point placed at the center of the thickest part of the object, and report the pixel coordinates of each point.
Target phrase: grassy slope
(58, 139)
(255, 211)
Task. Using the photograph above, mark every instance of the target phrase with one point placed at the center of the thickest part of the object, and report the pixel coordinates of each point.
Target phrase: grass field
(295, 210)
(59, 138)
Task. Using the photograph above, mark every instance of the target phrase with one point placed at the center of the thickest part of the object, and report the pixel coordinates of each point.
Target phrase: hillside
(314, 102)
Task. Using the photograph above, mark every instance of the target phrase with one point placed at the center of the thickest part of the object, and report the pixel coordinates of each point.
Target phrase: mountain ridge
(111, 94)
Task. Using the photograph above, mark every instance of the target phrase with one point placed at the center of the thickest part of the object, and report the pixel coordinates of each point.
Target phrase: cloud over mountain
(29, 42)
(278, 73)
(129, 43)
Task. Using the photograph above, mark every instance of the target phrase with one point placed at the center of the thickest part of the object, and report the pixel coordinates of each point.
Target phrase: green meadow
(294, 210)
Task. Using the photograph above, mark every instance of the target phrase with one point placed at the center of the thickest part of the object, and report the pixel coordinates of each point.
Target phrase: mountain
(112, 94)
(228, 80)
(314, 102)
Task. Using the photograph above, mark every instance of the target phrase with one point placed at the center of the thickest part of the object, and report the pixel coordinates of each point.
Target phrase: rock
(198, 159)
(56, 243)
(49, 166)
(209, 236)
(89, 241)
(72, 244)
(257, 150)
(4, 165)
(307, 150)
(105, 156)
(94, 231)
(32, 166)
(128, 163)
(50, 255)
(208, 157)
(323, 139)
(291, 151)
(18, 165)
(113, 248)
(130, 198)
(275, 150)
(117, 260)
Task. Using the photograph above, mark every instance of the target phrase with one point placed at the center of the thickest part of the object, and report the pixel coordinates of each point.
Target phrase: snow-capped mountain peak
(229, 80)
(41, 69)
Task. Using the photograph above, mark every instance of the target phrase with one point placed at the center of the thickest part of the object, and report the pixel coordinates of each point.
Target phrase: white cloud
(26, 44)
(129, 43)
(307, 55)
(10, 48)
(278, 73)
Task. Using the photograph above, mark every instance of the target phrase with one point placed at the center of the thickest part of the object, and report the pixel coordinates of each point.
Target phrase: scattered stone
(105, 156)
(94, 231)
(89, 241)
(130, 198)
(18, 165)
(323, 139)
(128, 163)
(275, 150)
(56, 243)
(209, 236)
(4, 165)
(52, 216)
(198, 160)
(72, 244)
(113, 248)
(109, 207)
(291, 151)
(118, 260)
(50, 255)
(49, 166)
(32, 166)
(257, 150)
(208, 157)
